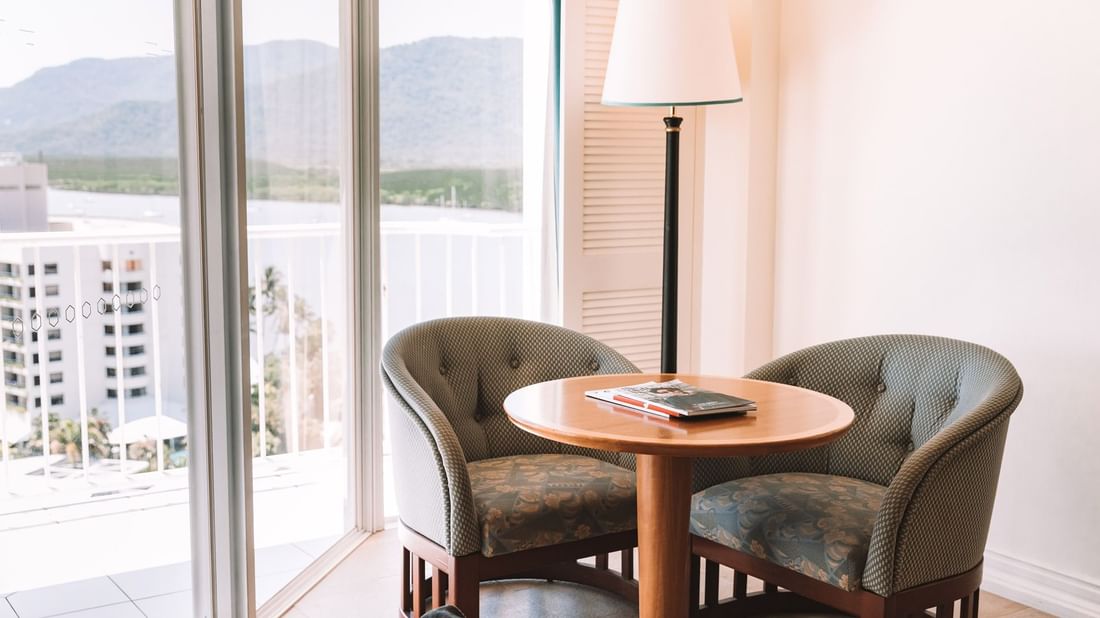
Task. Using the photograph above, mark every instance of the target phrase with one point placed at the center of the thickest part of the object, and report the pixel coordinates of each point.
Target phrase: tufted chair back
(904, 390)
(468, 365)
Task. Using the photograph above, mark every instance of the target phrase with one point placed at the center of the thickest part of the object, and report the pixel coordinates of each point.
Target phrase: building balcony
(132, 381)
(129, 316)
(128, 338)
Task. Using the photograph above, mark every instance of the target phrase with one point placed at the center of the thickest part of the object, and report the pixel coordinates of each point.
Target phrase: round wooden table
(787, 418)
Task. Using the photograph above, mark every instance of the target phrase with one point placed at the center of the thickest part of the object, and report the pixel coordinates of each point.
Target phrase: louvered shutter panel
(613, 197)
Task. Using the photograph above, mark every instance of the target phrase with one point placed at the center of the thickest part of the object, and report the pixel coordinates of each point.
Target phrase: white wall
(733, 258)
(939, 172)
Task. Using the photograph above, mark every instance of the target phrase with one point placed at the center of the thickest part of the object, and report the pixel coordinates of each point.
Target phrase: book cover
(674, 399)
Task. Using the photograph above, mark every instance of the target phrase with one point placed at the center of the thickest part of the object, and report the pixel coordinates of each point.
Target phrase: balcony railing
(430, 269)
(438, 268)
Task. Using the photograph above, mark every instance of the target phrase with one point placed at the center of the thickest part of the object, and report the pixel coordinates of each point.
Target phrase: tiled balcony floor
(158, 592)
(56, 545)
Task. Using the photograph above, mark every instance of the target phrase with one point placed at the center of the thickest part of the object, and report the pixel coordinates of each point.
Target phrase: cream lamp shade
(671, 52)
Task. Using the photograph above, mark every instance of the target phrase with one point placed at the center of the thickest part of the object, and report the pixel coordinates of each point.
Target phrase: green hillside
(446, 103)
(498, 189)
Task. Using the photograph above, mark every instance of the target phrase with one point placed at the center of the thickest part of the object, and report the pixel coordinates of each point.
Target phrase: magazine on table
(673, 399)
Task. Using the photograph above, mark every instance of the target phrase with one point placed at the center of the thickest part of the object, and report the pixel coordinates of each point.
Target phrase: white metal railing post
(448, 269)
(81, 370)
(292, 334)
(418, 277)
(473, 275)
(158, 395)
(258, 301)
(120, 386)
(325, 441)
(4, 454)
(43, 358)
(502, 290)
(384, 288)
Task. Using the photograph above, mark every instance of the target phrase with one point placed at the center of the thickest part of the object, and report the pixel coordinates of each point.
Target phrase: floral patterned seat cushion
(527, 501)
(816, 524)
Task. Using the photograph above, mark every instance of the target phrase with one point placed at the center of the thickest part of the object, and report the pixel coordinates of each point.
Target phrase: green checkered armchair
(473, 490)
(900, 503)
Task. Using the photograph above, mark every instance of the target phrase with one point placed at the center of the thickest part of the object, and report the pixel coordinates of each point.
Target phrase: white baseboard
(1039, 587)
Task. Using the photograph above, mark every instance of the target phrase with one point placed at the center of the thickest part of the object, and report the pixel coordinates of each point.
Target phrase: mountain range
(444, 102)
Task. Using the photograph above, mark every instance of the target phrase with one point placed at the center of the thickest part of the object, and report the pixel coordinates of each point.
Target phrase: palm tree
(274, 295)
(272, 385)
(66, 438)
(276, 371)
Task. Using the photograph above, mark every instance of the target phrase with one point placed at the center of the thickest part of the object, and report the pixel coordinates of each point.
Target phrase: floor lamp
(668, 53)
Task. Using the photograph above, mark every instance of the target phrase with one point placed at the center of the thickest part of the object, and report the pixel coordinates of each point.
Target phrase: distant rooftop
(10, 158)
(107, 225)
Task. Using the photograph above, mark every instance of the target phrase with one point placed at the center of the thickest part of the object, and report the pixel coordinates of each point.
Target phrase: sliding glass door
(94, 444)
(104, 347)
(298, 260)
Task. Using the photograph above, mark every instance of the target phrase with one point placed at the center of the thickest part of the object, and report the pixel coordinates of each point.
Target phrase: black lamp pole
(672, 190)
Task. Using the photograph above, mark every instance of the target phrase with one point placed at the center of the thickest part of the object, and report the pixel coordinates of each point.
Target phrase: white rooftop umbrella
(148, 428)
(17, 427)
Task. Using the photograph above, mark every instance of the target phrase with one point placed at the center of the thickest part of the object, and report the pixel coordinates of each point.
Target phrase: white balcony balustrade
(124, 457)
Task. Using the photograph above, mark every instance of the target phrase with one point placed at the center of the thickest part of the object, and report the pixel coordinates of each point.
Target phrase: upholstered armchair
(480, 499)
(889, 520)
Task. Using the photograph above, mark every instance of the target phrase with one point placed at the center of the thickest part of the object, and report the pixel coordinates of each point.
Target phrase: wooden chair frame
(805, 594)
(456, 579)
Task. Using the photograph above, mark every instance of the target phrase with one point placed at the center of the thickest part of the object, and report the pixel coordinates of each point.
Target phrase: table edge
(698, 449)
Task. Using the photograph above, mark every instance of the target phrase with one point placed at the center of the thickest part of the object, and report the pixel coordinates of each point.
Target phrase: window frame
(213, 224)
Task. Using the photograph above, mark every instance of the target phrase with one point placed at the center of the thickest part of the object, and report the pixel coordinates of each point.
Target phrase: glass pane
(297, 268)
(456, 229)
(93, 405)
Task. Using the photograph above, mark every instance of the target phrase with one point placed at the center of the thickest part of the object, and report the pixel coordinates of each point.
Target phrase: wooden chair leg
(626, 563)
(964, 607)
(945, 610)
(740, 585)
(406, 581)
(464, 587)
(439, 585)
(770, 588)
(710, 583)
(693, 584)
(601, 562)
(418, 588)
(974, 604)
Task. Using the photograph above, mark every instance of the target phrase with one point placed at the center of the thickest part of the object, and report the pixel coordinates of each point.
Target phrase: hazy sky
(41, 33)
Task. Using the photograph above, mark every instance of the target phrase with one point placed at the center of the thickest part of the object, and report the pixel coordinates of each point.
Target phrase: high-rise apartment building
(84, 322)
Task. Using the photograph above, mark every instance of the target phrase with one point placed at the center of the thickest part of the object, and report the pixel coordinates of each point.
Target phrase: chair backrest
(903, 388)
(468, 365)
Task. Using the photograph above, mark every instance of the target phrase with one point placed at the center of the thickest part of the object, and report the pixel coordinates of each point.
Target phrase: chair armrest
(433, 483)
(934, 518)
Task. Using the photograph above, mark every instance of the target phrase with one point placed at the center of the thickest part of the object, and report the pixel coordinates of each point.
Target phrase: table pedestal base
(664, 543)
